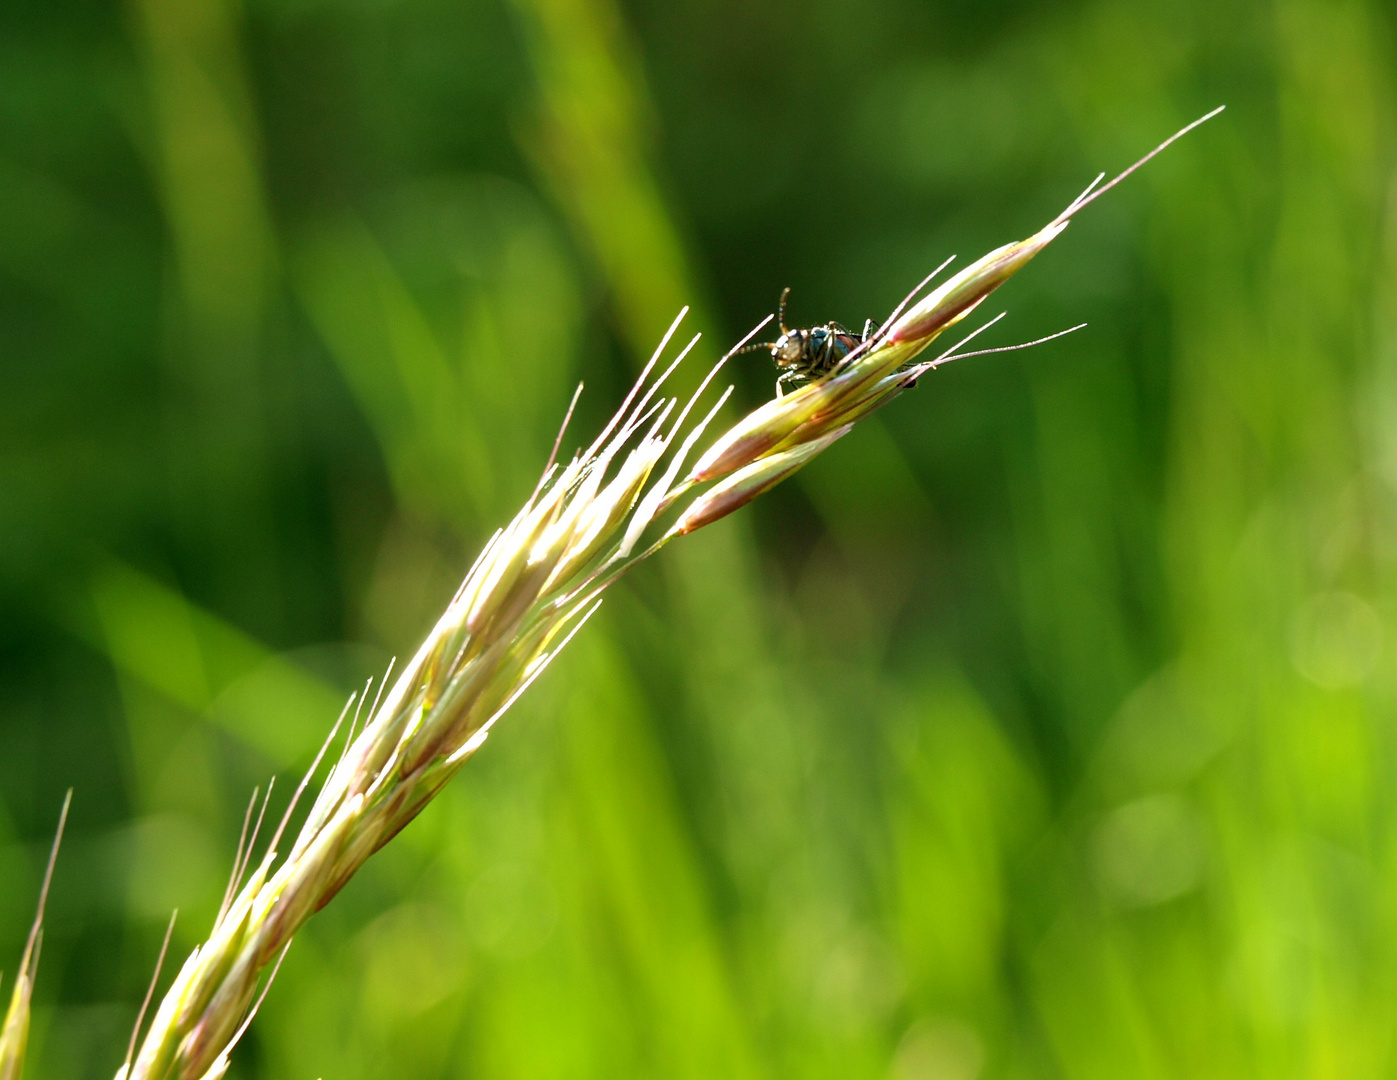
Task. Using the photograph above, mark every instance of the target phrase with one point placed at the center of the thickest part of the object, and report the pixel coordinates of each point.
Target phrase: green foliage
(1042, 727)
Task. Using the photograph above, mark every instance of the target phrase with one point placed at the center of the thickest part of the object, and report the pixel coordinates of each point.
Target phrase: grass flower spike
(534, 585)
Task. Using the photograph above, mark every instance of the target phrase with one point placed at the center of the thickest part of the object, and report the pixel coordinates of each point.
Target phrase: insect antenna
(758, 346)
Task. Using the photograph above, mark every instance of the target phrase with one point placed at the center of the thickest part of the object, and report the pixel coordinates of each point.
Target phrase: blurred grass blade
(591, 144)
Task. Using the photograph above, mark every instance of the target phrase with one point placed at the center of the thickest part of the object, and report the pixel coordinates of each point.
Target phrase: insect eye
(788, 348)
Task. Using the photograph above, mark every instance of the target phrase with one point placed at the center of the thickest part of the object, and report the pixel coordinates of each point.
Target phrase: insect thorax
(825, 347)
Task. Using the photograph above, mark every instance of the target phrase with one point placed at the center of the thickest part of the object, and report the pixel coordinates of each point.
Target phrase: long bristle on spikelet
(14, 1033)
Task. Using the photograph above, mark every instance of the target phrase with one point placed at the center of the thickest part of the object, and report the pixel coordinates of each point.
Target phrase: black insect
(806, 356)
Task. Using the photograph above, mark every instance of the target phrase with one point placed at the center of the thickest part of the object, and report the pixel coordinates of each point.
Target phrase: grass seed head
(536, 582)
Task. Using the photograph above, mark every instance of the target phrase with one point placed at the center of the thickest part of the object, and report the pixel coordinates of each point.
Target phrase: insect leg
(818, 362)
(867, 329)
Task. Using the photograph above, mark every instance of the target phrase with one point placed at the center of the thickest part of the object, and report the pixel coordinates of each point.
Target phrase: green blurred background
(1044, 728)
